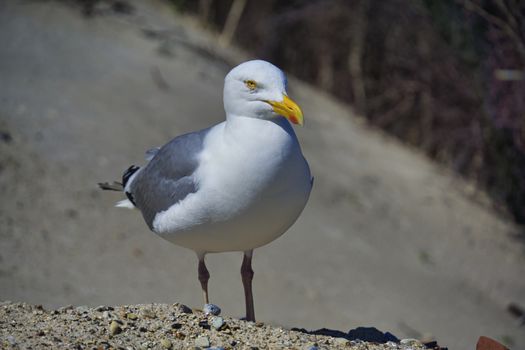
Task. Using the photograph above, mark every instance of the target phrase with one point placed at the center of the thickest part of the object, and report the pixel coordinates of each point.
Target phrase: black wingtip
(128, 173)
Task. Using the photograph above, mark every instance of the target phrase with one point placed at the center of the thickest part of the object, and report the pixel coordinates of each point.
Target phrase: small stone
(176, 325)
(114, 328)
(341, 341)
(202, 342)
(166, 344)
(180, 335)
(184, 309)
(217, 322)
(211, 309)
(105, 314)
(148, 313)
(204, 324)
(143, 329)
(409, 341)
(131, 316)
(65, 308)
(431, 344)
(82, 309)
(40, 333)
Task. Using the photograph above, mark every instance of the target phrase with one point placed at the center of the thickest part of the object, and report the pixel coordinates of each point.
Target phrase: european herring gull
(235, 186)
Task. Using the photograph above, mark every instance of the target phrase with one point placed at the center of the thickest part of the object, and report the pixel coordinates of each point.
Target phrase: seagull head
(257, 89)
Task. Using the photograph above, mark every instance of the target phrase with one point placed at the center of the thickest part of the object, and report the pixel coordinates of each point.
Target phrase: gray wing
(168, 177)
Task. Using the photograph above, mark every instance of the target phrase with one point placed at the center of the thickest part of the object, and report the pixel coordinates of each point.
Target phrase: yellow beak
(288, 109)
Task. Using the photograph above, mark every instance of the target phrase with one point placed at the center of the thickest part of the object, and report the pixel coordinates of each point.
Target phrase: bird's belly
(241, 211)
(255, 226)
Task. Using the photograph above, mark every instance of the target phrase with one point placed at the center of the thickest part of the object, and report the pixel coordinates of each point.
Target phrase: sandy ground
(388, 239)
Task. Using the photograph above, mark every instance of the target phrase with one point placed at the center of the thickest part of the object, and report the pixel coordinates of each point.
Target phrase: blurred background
(415, 132)
(446, 76)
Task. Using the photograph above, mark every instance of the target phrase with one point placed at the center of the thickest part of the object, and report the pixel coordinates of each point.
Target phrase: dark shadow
(368, 334)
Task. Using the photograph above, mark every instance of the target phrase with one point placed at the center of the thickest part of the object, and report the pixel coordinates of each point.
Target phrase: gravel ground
(156, 326)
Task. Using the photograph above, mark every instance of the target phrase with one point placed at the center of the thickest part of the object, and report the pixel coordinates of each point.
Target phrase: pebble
(204, 324)
(211, 309)
(148, 313)
(65, 308)
(202, 342)
(114, 328)
(176, 325)
(82, 309)
(341, 342)
(166, 344)
(180, 335)
(184, 309)
(131, 316)
(217, 323)
(409, 341)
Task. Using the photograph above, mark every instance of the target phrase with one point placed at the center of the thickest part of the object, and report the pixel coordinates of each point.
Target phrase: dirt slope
(388, 239)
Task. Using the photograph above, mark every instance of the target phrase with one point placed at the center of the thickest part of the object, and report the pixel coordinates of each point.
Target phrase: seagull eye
(250, 84)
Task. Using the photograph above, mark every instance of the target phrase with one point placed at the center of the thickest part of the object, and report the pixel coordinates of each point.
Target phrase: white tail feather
(126, 203)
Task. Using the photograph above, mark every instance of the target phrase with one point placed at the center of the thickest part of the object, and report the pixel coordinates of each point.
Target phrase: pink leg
(247, 277)
(204, 276)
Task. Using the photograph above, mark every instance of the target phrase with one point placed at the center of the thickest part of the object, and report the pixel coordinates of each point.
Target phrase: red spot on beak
(294, 119)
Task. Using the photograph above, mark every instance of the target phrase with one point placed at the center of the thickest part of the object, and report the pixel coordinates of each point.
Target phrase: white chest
(252, 179)
(258, 159)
